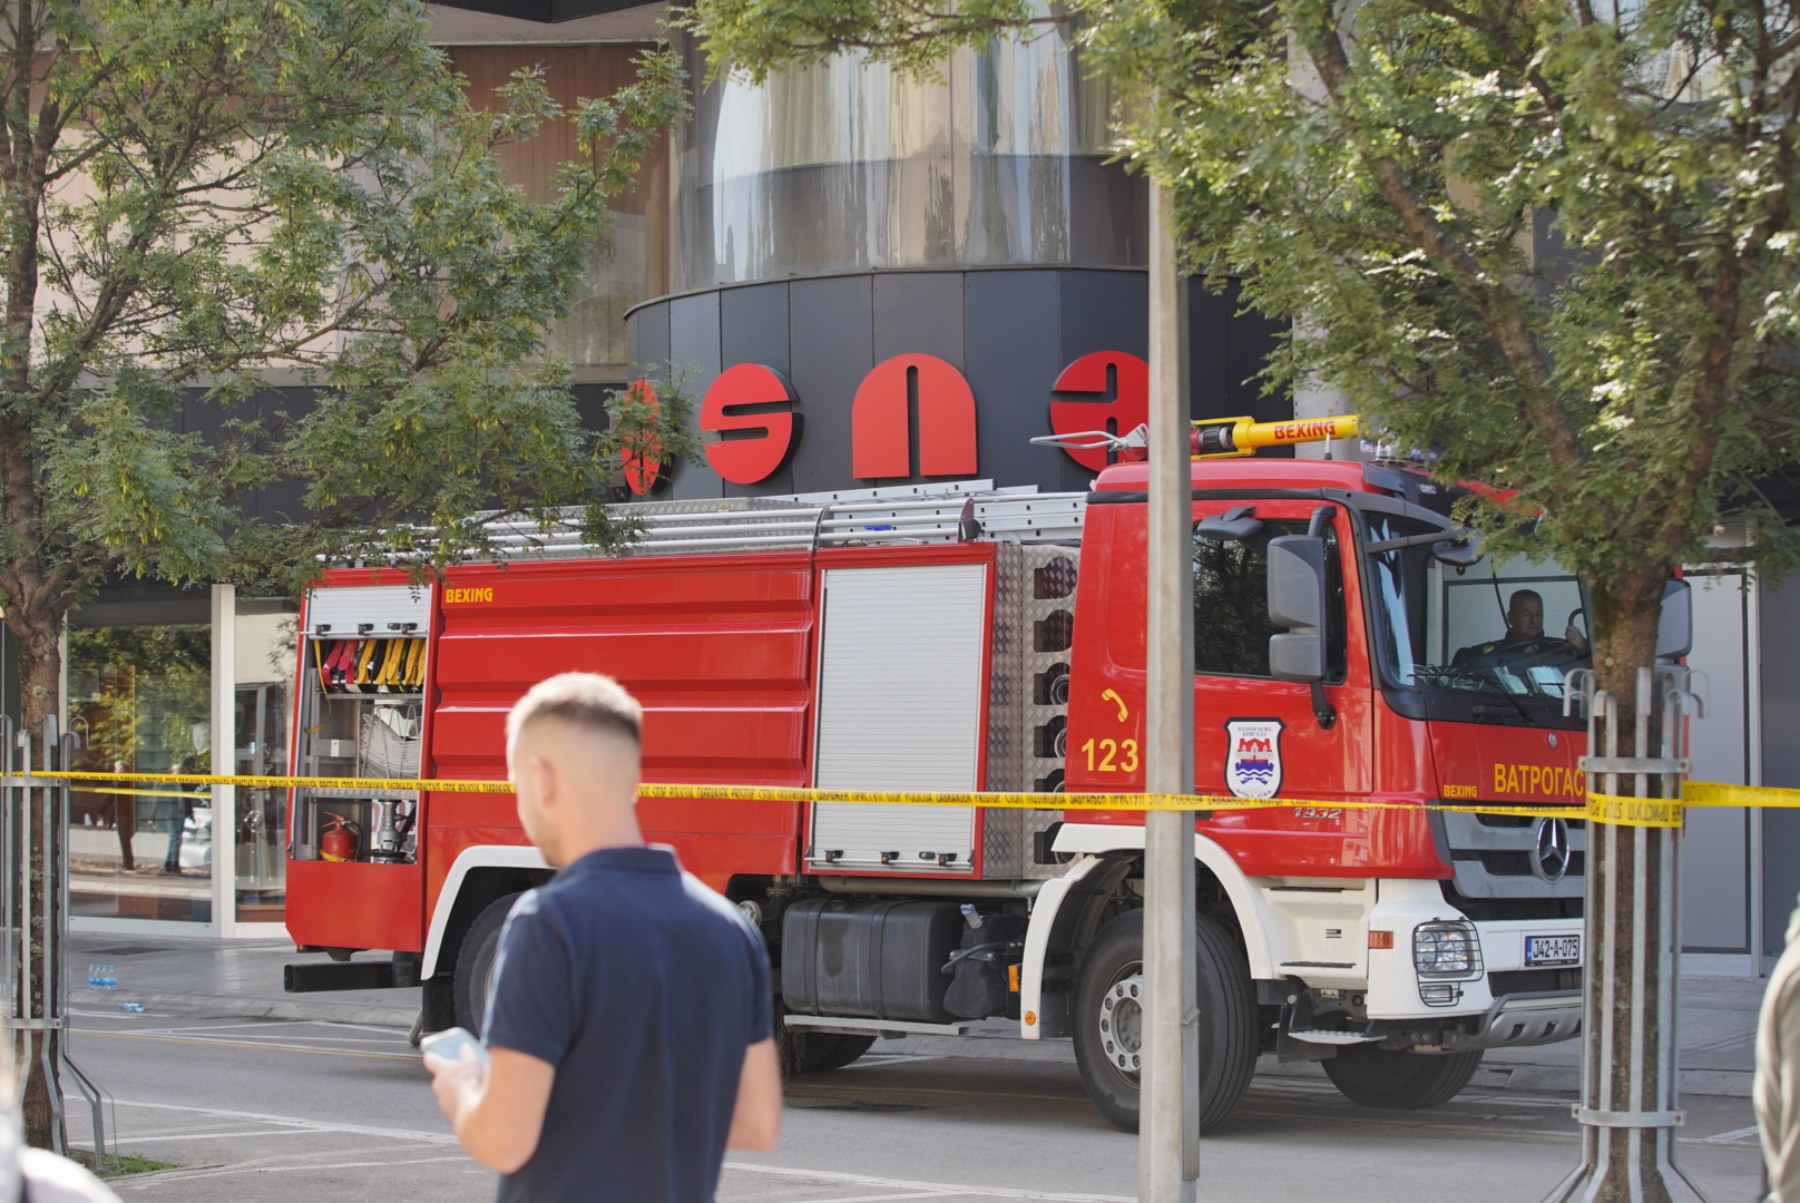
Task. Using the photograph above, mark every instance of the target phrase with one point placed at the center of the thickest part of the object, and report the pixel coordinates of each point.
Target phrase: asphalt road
(307, 1111)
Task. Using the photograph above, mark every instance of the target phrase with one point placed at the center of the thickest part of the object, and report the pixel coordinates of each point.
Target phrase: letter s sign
(756, 438)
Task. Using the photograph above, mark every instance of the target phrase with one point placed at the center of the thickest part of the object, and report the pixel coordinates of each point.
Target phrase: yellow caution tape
(1600, 808)
(144, 793)
(1713, 793)
(1634, 812)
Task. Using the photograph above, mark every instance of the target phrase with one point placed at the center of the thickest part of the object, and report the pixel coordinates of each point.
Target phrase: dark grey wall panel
(1248, 342)
(650, 339)
(1224, 352)
(694, 358)
(919, 313)
(1780, 627)
(1013, 358)
(754, 328)
(1104, 311)
(833, 349)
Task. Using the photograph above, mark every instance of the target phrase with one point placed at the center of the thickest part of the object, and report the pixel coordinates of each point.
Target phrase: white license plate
(1552, 950)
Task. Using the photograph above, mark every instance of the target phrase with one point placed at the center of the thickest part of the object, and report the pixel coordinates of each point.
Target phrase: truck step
(1322, 1036)
(874, 1027)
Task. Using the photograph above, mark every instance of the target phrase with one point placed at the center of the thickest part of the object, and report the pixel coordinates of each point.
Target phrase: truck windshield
(1514, 628)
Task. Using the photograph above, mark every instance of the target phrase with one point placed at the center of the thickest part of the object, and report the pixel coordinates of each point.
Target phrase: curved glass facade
(846, 166)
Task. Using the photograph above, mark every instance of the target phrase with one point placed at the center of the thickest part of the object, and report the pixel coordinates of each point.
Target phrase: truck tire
(1108, 1020)
(1399, 1081)
(826, 1051)
(475, 962)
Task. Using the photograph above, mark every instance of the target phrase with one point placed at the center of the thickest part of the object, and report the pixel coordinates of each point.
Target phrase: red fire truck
(957, 638)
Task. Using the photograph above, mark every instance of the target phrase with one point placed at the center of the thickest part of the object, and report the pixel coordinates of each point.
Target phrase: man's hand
(457, 1083)
(497, 1117)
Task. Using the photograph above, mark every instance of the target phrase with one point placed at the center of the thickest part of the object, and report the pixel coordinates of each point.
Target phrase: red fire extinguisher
(338, 840)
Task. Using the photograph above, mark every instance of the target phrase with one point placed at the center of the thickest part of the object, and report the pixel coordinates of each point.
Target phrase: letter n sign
(756, 436)
(1115, 397)
(881, 420)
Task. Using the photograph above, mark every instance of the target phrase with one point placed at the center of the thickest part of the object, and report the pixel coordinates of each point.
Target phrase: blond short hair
(590, 701)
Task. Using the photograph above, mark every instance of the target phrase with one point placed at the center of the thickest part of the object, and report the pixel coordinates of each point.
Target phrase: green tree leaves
(199, 199)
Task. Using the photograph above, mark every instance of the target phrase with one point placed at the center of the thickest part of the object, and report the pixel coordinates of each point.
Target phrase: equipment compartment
(880, 960)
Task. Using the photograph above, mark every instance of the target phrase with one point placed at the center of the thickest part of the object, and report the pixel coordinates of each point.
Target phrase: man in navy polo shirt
(629, 1028)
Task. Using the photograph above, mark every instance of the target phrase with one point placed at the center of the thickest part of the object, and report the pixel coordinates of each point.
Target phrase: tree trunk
(1627, 1136)
(38, 632)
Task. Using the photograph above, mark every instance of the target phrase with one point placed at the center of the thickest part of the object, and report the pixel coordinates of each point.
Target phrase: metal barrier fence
(34, 921)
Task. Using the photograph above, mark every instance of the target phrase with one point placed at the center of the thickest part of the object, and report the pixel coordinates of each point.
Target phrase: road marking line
(165, 1137)
(394, 1033)
(288, 1121)
(254, 1168)
(911, 1194)
(1735, 1136)
(929, 1188)
(158, 1038)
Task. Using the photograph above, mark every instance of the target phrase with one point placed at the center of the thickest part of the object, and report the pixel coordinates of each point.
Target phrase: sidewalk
(242, 978)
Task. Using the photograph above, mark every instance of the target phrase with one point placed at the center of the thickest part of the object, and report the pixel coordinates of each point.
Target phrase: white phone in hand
(450, 1043)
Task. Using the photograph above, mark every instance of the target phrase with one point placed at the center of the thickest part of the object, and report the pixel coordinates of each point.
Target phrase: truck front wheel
(1110, 1012)
(826, 1051)
(1399, 1081)
(475, 962)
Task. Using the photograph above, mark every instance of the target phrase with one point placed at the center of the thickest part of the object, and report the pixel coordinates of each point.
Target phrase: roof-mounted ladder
(964, 511)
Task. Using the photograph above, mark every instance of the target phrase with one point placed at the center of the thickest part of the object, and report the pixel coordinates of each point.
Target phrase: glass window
(266, 635)
(1515, 627)
(140, 698)
(1231, 603)
(845, 165)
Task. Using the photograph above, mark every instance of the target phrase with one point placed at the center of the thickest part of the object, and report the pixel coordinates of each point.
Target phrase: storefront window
(263, 655)
(140, 698)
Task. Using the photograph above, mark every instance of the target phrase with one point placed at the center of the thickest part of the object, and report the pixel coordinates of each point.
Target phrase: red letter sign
(1121, 413)
(642, 453)
(880, 443)
(766, 437)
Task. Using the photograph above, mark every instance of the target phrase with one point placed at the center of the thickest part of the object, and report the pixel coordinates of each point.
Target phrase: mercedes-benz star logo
(1551, 860)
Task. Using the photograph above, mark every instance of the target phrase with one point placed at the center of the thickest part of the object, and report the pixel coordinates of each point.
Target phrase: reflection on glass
(846, 165)
(140, 698)
(1231, 602)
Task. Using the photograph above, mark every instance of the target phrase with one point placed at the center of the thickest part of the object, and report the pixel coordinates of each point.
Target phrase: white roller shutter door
(344, 609)
(900, 703)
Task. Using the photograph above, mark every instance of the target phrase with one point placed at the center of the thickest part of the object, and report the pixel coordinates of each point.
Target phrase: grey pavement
(242, 978)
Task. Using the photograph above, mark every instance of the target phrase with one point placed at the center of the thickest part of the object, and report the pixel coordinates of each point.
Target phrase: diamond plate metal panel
(1018, 707)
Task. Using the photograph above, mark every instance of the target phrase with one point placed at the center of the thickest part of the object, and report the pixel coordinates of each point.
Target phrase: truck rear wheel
(475, 962)
(1399, 1081)
(1109, 1020)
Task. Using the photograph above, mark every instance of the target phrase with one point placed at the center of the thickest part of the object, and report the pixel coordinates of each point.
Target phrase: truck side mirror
(1457, 553)
(1297, 602)
(1675, 625)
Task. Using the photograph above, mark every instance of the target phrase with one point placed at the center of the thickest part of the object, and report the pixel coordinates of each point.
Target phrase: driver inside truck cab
(1524, 630)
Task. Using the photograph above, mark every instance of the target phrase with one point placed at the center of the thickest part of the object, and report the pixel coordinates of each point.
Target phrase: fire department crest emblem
(1253, 757)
